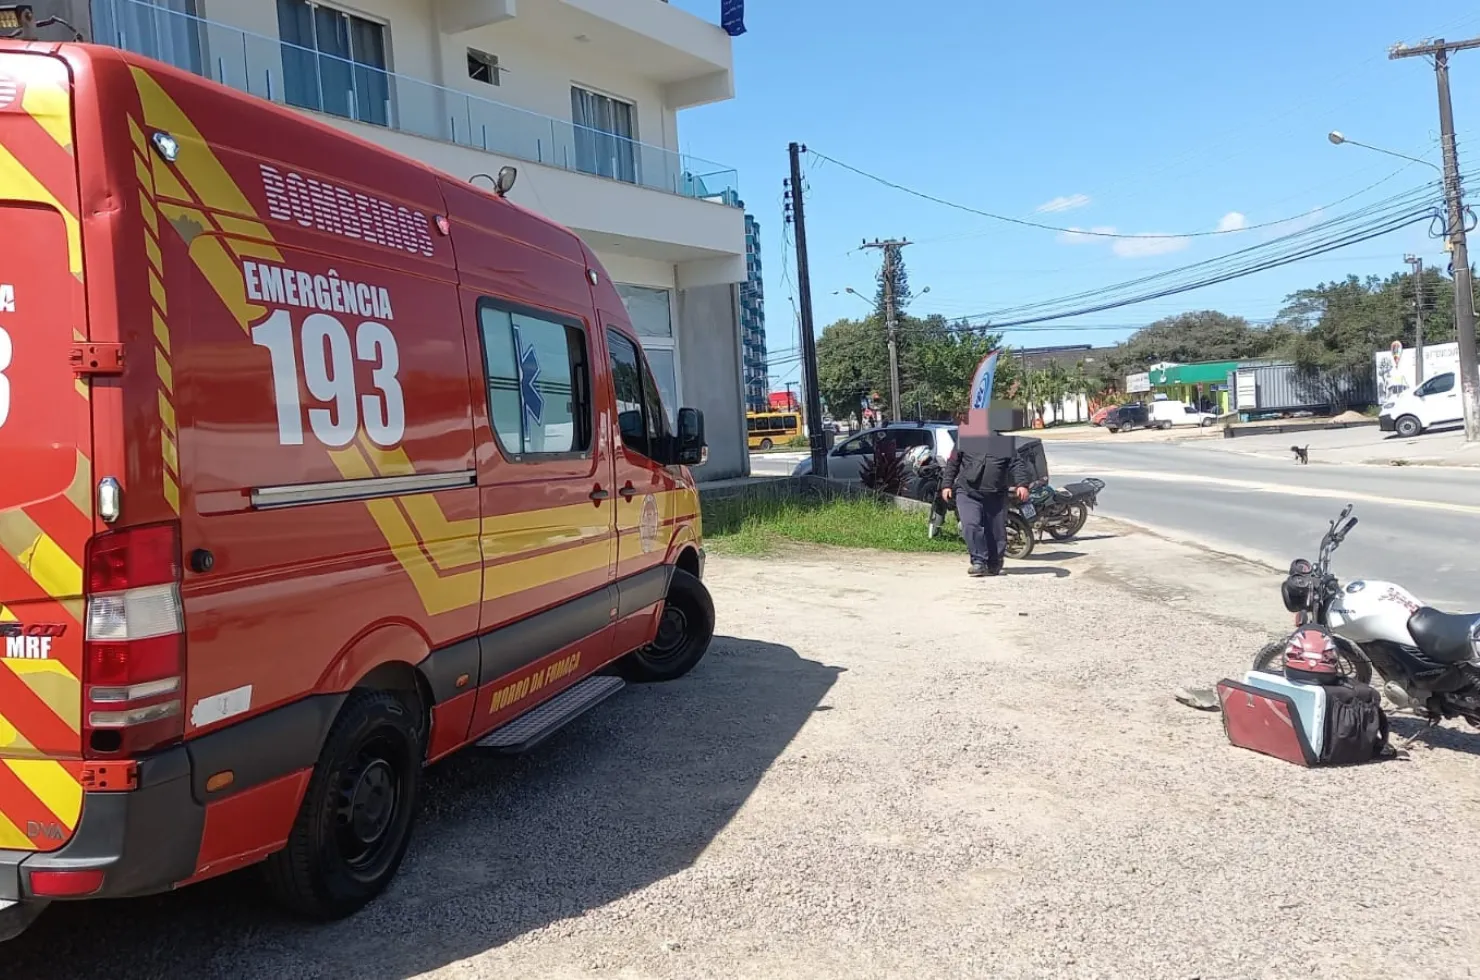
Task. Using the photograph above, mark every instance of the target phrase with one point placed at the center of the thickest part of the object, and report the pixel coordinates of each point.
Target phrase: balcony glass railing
(308, 79)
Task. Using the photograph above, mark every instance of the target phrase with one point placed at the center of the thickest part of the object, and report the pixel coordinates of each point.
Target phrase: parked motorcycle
(1428, 661)
(1062, 512)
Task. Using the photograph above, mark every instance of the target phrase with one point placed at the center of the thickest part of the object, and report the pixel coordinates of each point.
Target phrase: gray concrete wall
(708, 333)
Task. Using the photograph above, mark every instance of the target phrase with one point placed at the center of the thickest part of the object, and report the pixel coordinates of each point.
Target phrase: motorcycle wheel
(1271, 660)
(1072, 524)
(1020, 538)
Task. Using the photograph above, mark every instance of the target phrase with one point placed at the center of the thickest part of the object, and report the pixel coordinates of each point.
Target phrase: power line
(1083, 232)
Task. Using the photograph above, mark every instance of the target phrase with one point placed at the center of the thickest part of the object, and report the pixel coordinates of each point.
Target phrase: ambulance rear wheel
(355, 821)
(684, 633)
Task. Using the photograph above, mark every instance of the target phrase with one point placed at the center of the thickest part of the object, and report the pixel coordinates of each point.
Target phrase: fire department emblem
(647, 527)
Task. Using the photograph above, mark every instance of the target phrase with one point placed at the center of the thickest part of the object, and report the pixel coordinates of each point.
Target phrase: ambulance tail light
(133, 671)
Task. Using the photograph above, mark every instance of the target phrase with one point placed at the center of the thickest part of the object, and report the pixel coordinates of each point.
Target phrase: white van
(1178, 413)
(1435, 402)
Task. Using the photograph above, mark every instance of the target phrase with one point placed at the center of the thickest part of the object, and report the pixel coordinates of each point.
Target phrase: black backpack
(1356, 725)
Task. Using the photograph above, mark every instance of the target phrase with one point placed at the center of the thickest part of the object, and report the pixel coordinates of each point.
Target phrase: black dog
(1302, 454)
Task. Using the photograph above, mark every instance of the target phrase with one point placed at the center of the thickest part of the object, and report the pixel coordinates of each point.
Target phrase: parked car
(1123, 418)
(846, 460)
(1098, 418)
(1435, 402)
(1180, 413)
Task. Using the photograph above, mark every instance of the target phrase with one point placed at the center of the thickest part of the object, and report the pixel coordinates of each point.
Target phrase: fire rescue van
(318, 465)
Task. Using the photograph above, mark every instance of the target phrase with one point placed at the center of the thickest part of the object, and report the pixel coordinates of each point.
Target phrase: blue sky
(1153, 117)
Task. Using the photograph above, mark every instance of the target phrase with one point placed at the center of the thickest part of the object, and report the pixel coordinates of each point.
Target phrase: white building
(582, 96)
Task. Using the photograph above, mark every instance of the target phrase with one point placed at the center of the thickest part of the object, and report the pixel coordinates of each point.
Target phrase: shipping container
(1271, 389)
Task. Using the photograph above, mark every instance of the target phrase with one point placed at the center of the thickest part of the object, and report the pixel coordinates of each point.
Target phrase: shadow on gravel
(627, 796)
(1448, 739)
(1015, 570)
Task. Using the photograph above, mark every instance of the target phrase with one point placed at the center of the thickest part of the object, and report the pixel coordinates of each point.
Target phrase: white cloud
(1233, 221)
(1140, 248)
(1068, 203)
(1077, 236)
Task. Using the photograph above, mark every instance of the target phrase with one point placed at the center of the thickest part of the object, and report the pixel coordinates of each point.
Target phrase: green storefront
(1196, 384)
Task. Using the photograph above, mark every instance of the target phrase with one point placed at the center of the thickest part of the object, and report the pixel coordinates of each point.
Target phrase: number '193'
(329, 375)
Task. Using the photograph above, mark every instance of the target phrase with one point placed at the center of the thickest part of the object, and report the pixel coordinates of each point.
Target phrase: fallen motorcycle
(1429, 661)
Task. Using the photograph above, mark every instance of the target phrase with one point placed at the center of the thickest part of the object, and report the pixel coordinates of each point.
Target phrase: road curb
(1231, 431)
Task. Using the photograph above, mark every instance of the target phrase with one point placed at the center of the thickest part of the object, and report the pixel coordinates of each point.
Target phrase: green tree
(852, 362)
(938, 361)
(902, 294)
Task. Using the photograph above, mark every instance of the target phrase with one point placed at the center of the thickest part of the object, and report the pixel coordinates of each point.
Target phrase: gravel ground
(896, 772)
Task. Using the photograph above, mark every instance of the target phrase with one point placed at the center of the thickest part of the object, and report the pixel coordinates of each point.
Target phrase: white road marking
(1288, 490)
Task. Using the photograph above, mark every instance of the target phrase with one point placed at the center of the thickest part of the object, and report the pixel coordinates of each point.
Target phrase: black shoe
(977, 571)
(994, 570)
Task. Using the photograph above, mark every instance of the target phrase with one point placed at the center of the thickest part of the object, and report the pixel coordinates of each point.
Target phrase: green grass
(759, 525)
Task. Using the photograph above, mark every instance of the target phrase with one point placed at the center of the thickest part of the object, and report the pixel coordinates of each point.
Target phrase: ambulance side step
(527, 731)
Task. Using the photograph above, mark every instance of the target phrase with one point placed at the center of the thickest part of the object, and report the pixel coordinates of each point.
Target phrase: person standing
(979, 474)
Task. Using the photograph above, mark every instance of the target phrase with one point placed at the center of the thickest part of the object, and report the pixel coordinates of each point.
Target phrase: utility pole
(815, 435)
(1464, 290)
(1416, 262)
(891, 316)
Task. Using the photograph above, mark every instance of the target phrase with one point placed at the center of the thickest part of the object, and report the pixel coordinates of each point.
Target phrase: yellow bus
(768, 429)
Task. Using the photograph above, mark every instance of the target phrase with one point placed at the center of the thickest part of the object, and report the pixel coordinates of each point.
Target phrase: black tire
(1020, 538)
(1408, 426)
(355, 823)
(684, 634)
(766, 445)
(1271, 660)
(1113, 429)
(1073, 526)
(1207, 422)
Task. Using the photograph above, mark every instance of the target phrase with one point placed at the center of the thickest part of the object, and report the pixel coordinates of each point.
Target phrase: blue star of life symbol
(529, 376)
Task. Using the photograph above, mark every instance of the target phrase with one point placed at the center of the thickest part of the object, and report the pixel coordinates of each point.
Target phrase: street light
(854, 292)
(1337, 138)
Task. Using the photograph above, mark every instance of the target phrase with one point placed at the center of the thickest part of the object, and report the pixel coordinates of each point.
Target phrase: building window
(166, 30)
(483, 67)
(651, 314)
(334, 62)
(539, 383)
(605, 135)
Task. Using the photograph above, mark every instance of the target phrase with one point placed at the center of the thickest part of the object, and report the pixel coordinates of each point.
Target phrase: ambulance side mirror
(689, 445)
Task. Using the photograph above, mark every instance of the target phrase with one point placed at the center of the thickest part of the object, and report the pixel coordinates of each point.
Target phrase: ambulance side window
(627, 378)
(538, 372)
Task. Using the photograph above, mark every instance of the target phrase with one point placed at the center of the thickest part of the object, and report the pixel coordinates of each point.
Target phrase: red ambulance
(318, 465)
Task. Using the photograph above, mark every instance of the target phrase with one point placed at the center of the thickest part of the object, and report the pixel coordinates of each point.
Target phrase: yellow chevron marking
(79, 491)
(141, 168)
(52, 785)
(11, 838)
(171, 456)
(17, 183)
(438, 594)
(529, 573)
(147, 209)
(151, 249)
(82, 389)
(156, 289)
(51, 567)
(197, 164)
(6, 616)
(172, 494)
(51, 107)
(162, 368)
(137, 135)
(166, 414)
(161, 332)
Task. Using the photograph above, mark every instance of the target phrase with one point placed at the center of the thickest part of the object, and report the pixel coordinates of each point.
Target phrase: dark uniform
(981, 471)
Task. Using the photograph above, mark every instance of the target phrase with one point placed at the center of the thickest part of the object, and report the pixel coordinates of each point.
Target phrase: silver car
(846, 460)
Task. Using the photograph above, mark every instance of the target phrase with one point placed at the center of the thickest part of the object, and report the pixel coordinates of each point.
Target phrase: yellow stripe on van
(530, 573)
(51, 107)
(166, 414)
(11, 838)
(51, 567)
(52, 785)
(17, 184)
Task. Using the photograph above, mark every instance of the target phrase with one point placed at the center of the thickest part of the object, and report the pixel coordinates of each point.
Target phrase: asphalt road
(1419, 526)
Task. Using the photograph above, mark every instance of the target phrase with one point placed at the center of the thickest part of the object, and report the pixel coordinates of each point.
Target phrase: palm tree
(1055, 388)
